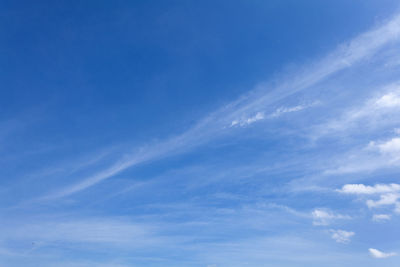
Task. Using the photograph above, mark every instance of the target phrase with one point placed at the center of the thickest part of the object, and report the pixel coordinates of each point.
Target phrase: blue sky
(200, 133)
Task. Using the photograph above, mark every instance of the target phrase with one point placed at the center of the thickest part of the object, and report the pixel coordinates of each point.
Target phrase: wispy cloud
(380, 254)
(326, 216)
(373, 156)
(250, 120)
(384, 200)
(251, 107)
(342, 236)
(277, 113)
(370, 114)
(282, 110)
(389, 147)
(381, 217)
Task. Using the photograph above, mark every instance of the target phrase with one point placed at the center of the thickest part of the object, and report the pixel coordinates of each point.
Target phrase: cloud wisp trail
(258, 100)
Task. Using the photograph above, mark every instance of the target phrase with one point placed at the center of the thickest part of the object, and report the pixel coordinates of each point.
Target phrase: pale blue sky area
(200, 133)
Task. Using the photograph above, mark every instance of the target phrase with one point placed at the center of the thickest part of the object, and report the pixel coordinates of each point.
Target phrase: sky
(200, 133)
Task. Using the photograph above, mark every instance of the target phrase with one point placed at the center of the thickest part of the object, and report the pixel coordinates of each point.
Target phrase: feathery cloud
(372, 157)
(342, 236)
(381, 217)
(360, 48)
(248, 121)
(280, 111)
(326, 217)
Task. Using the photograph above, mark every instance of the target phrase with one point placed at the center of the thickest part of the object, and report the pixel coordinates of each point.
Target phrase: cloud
(360, 189)
(389, 100)
(277, 113)
(381, 217)
(283, 110)
(373, 112)
(248, 121)
(385, 199)
(371, 157)
(248, 107)
(379, 254)
(390, 147)
(341, 236)
(388, 194)
(326, 217)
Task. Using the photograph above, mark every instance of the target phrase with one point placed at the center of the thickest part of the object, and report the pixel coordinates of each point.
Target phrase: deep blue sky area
(199, 133)
(108, 67)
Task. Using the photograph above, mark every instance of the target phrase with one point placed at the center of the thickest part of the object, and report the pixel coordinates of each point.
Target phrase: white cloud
(369, 190)
(341, 236)
(381, 217)
(250, 120)
(389, 194)
(374, 156)
(385, 199)
(379, 254)
(373, 112)
(326, 217)
(389, 100)
(391, 146)
(261, 116)
(283, 110)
